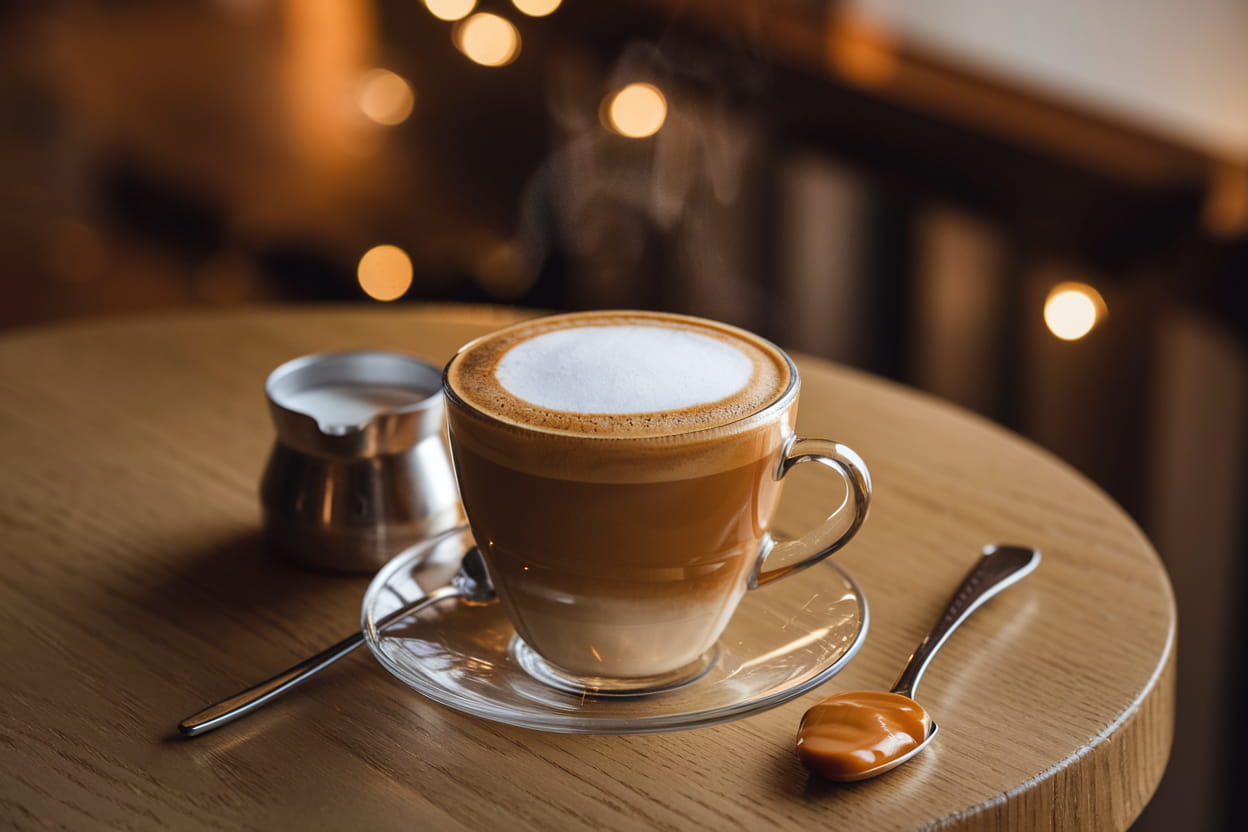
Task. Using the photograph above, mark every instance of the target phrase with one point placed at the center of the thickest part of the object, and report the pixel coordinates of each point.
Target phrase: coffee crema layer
(619, 374)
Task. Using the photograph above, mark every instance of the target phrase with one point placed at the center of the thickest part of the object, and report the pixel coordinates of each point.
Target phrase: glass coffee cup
(620, 472)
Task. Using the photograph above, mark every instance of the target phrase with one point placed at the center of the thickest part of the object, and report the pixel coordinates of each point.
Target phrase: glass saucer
(785, 639)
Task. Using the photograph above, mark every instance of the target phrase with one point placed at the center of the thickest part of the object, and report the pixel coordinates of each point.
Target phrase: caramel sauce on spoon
(849, 735)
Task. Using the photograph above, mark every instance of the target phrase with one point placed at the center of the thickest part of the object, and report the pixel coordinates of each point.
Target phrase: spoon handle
(246, 701)
(258, 695)
(998, 568)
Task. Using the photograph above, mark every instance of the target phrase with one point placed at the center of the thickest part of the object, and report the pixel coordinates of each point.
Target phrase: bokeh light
(537, 8)
(1072, 310)
(385, 272)
(488, 39)
(450, 9)
(862, 52)
(636, 111)
(385, 97)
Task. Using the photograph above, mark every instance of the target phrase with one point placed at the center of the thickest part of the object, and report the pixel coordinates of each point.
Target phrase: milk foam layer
(619, 374)
(617, 369)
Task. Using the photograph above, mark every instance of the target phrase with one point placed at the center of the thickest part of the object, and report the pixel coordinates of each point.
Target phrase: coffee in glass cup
(620, 471)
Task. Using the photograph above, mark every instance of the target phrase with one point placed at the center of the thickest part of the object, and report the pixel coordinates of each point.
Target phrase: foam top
(619, 374)
(623, 369)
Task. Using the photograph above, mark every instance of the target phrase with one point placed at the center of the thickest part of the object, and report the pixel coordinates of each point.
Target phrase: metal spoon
(471, 583)
(999, 567)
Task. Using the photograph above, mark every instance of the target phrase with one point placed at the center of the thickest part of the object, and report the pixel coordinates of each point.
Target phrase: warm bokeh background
(902, 187)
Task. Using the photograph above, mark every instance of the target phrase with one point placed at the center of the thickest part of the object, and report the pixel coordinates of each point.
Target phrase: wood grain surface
(134, 588)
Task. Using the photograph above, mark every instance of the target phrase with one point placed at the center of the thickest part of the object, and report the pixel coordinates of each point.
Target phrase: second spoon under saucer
(471, 583)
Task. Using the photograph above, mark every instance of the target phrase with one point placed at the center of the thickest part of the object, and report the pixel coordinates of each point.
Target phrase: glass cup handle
(797, 554)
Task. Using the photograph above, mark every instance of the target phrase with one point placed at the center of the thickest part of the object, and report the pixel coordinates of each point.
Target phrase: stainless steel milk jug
(360, 469)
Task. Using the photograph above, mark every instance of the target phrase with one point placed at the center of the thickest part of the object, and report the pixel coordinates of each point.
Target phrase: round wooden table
(135, 589)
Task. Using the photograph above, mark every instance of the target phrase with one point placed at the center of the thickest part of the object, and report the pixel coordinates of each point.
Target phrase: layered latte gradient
(618, 470)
